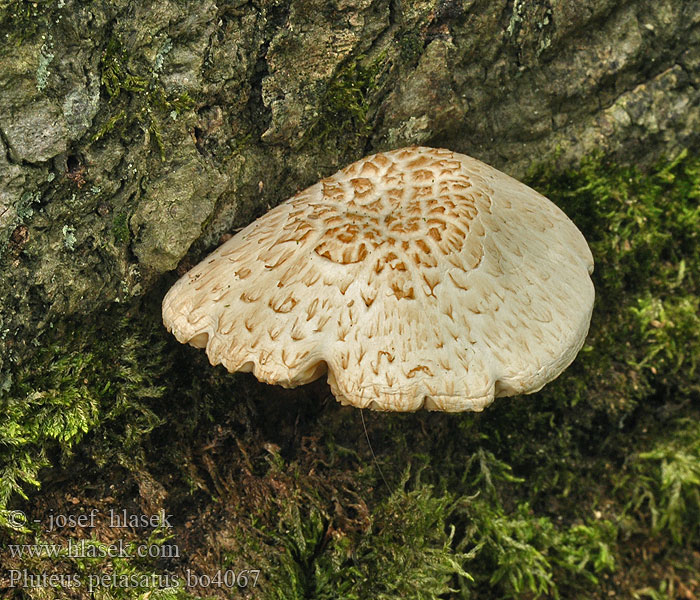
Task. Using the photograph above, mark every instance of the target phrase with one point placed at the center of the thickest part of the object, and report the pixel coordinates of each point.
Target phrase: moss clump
(74, 386)
(410, 46)
(315, 536)
(524, 553)
(644, 232)
(115, 76)
(664, 484)
(667, 334)
(21, 19)
(137, 99)
(120, 228)
(556, 459)
(345, 103)
(407, 551)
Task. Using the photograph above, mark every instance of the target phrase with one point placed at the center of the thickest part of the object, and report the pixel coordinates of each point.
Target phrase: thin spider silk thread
(374, 456)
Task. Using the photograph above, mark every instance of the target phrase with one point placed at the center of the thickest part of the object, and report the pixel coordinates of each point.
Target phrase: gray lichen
(42, 71)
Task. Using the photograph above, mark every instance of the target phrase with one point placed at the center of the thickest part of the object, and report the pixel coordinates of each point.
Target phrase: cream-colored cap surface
(416, 278)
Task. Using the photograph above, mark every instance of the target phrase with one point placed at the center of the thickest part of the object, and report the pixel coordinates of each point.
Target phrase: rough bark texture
(132, 133)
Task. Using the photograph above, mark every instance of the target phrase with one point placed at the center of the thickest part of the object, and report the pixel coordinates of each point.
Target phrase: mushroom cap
(416, 278)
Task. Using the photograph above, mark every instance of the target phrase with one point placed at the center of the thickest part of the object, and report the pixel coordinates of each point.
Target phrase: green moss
(664, 484)
(73, 387)
(21, 19)
(115, 76)
(668, 335)
(407, 550)
(345, 103)
(117, 119)
(410, 46)
(644, 232)
(520, 552)
(120, 228)
(543, 464)
(410, 551)
(136, 99)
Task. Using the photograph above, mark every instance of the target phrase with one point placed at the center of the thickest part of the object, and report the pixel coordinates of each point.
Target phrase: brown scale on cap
(413, 278)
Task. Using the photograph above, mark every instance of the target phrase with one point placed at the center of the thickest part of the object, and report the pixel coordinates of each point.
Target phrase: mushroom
(416, 278)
